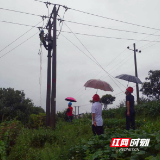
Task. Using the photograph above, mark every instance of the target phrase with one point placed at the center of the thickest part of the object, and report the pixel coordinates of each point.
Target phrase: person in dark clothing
(43, 39)
(130, 112)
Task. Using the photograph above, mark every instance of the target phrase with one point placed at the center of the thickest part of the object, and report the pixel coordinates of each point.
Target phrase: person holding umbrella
(69, 112)
(70, 109)
(97, 121)
(130, 112)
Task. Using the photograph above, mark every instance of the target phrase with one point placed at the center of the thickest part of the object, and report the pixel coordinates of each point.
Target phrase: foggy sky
(20, 68)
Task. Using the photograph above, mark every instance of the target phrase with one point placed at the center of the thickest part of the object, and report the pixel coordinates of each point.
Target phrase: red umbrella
(98, 84)
(71, 99)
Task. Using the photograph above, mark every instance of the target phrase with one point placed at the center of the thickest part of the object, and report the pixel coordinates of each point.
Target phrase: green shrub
(98, 147)
(146, 110)
(37, 121)
(9, 131)
(120, 123)
(46, 144)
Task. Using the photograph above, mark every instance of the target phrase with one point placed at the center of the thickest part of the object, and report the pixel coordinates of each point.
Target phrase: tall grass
(46, 144)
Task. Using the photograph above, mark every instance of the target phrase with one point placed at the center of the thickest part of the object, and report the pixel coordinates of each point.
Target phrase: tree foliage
(107, 99)
(13, 104)
(152, 88)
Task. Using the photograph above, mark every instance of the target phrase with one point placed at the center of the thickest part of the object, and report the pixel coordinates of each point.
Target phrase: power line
(20, 37)
(99, 15)
(145, 38)
(84, 34)
(36, 27)
(83, 45)
(83, 52)
(78, 48)
(19, 45)
(118, 64)
(91, 35)
(94, 58)
(79, 90)
(108, 28)
(49, 3)
(24, 12)
(122, 63)
(20, 24)
(145, 46)
(149, 46)
(113, 19)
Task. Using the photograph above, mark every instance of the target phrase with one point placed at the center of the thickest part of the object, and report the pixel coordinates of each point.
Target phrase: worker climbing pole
(51, 96)
(49, 43)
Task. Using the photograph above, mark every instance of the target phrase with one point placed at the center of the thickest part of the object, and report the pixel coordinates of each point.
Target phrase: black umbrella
(129, 78)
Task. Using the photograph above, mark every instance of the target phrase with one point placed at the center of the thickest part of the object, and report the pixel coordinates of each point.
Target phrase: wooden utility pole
(48, 97)
(53, 95)
(136, 73)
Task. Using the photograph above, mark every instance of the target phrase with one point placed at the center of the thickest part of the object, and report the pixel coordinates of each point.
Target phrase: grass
(37, 144)
(76, 141)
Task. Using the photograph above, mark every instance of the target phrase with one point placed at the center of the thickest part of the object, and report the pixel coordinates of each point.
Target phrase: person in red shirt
(69, 112)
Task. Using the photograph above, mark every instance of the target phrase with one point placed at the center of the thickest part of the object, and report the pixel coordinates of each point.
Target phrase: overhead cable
(84, 34)
(18, 45)
(19, 37)
(93, 56)
(91, 35)
(100, 16)
(24, 12)
(108, 28)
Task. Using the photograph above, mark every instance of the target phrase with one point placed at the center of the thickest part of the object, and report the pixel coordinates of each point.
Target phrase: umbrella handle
(128, 84)
(97, 91)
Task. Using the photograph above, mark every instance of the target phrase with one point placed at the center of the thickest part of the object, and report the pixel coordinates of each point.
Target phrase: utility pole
(78, 111)
(75, 110)
(48, 97)
(136, 73)
(53, 97)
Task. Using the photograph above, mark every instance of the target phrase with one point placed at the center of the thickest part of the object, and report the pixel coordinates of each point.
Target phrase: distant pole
(53, 97)
(75, 110)
(78, 111)
(48, 97)
(136, 73)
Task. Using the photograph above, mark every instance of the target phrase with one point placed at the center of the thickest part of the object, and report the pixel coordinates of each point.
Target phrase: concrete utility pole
(136, 73)
(51, 97)
(54, 61)
(48, 97)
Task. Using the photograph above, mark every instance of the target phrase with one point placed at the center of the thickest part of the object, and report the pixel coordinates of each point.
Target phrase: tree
(13, 104)
(152, 88)
(107, 99)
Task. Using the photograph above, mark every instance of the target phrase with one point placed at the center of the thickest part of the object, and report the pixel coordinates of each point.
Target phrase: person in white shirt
(97, 121)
